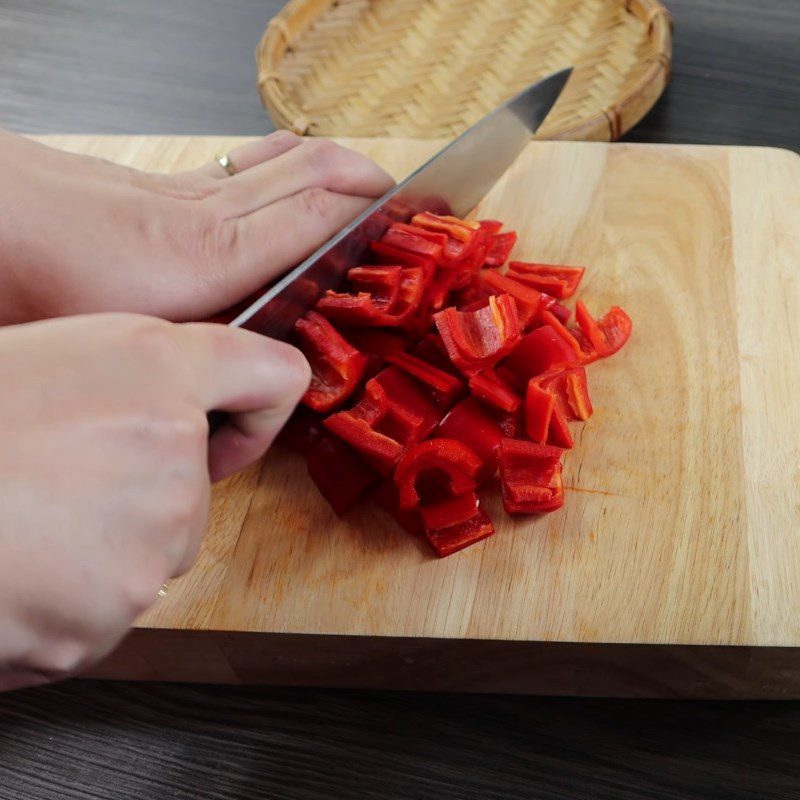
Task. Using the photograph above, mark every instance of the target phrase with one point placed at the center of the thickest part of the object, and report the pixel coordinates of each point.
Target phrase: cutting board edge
(456, 665)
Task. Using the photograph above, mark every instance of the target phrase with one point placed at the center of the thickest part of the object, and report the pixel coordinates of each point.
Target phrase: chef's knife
(452, 182)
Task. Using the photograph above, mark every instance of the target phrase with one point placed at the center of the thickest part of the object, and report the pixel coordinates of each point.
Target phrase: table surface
(186, 66)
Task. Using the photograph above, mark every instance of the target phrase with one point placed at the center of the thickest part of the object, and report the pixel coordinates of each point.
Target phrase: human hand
(78, 234)
(104, 469)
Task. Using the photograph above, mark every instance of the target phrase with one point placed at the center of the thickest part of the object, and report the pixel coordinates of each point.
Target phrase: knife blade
(451, 182)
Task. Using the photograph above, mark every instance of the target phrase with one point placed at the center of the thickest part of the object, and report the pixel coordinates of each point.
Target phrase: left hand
(79, 234)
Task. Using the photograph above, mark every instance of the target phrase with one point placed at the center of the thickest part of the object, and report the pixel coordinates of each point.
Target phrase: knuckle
(324, 155)
(316, 202)
(64, 658)
(284, 137)
(154, 342)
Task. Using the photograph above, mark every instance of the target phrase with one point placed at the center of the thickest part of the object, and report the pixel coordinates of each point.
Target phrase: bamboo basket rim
(277, 40)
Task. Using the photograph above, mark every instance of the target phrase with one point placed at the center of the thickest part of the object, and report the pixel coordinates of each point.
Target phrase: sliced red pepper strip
(550, 319)
(340, 474)
(382, 283)
(470, 423)
(530, 477)
(424, 233)
(606, 335)
(393, 256)
(561, 313)
(435, 470)
(364, 309)
(477, 339)
(386, 497)
(541, 350)
(539, 406)
(571, 391)
(528, 300)
(302, 431)
(556, 280)
(393, 414)
(501, 246)
(453, 226)
(490, 225)
(488, 386)
(336, 366)
(452, 511)
(445, 387)
(407, 239)
(450, 540)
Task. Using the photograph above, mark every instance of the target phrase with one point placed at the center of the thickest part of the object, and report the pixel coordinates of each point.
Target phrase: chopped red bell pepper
(530, 477)
(460, 229)
(606, 335)
(490, 225)
(539, 406)
(447, 541)
(385, 495)
(529, 301)
(406, 238)
(383, 310)
(435, 470)
(444, 387)
(302, 431)
(561, 313)
(394, 256)
(540, 351)
(393, 414)
(376, 345)
(477, 339)
(488, 386)
(341, 476)
(548, 318)
(500, 248)
(336, 366)
(556, 280)
(569, 399)
(449, 512)
(470, 423)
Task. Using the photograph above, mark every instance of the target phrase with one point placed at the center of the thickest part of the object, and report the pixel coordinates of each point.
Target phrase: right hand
(105, 469)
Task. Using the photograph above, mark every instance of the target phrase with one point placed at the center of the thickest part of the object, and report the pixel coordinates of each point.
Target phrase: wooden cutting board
(674, 567)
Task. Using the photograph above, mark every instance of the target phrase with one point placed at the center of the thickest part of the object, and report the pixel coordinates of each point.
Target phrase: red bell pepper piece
(539, 406)
(530, 477)
(470, 423)
(477, 339)
(445, 387)
(541, 350)
(383, 310)
(302, 431)
(529, 301)
(449, 512)
(500, 248)
(393, 414)
(385, 495)
(561, 313)
(557, 281)
(488, 386)
(446, 541)
(336, 366)
(392, 256)
(406, 238)
(415, 230)
(376, 345)
(454, 227)
(435, 470)
(606, 335)
(548, 318)
(551, 401)
(571, 391)
(490, 225)
(340, 474)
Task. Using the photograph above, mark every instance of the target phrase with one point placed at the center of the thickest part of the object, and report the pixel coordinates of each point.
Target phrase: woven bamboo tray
(431, 68)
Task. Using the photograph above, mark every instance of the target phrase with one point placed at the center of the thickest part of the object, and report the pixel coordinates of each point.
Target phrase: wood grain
(683, 488)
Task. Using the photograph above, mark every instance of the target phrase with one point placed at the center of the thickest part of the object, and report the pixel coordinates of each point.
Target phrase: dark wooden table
(185, 66)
